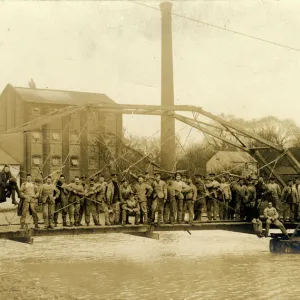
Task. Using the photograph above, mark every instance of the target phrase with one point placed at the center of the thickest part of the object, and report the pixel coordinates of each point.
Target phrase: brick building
(68, 141)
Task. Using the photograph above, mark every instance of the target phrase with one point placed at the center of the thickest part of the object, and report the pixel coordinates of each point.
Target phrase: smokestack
(167, 88)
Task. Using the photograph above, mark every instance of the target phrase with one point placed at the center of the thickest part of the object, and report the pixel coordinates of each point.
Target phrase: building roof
(61, 97)
(6, 159)
(233, 157)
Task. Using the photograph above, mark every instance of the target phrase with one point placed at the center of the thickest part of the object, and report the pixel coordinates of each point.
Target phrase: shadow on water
(207, 265)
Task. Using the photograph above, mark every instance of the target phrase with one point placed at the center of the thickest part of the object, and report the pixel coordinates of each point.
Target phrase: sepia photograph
(149, 149)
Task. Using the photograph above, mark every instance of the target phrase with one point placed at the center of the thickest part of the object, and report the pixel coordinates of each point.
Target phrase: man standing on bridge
(61, 202)
(212, 187)
(48, 193)
(271, 214)
(180, 189)
(289, 199)
(113, 197)
(159, 198)
(200, 201)
(170, 205)
(190, 199)
(76, 196)
(102, 203)
(30, 192)
(143, 190)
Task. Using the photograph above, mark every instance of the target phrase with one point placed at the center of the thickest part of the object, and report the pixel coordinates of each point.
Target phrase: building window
(56, 137)
(74, 162)
(56, 161)
(36, 137)
(36, 161)
(74, 138)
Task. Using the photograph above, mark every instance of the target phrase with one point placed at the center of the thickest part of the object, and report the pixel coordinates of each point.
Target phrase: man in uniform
(61, 201)
(200, 201)
(275, 191)
(125, 190)
(29, 192)
(114, 198)
(180, 189)
(83, 202)
(212, 187)
(241, 194)
(289, 198)
(143, 190)
(159, 198)
(48, 193)
(190, 198)
(76, 196)
(271, 215)
(170, 204)
(130, 207)
(250, 199)
(90, 192)
(224, 197)
(102, 203)
(297, 206)
(148, 180)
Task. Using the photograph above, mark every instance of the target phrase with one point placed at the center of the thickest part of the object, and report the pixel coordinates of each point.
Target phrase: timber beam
(189, 108)
(258, 155)
(209, 132)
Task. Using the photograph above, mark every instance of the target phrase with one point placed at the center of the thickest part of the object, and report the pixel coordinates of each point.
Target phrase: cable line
(221, 28)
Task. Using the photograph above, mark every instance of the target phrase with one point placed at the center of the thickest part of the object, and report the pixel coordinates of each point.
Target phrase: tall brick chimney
(167, 88)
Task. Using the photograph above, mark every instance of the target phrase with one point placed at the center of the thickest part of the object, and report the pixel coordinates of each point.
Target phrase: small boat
(280, 243)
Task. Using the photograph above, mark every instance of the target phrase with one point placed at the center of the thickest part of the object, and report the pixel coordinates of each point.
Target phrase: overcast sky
(113, 47)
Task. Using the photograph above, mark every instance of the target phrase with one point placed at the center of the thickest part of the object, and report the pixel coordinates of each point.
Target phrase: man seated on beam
(131, 208)
(271, 214)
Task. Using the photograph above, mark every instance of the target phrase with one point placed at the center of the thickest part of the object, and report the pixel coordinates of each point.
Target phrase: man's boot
(36, 226)
(64, 221)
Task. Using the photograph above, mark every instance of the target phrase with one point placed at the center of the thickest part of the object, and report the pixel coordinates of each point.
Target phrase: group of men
(144, 195)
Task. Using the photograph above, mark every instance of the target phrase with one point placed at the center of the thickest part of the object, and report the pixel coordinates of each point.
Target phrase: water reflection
(203, 265)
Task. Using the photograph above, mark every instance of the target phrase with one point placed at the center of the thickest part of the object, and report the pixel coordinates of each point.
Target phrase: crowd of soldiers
(226, 196)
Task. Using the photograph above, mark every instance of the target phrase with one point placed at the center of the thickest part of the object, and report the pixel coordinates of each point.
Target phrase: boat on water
(280, 244)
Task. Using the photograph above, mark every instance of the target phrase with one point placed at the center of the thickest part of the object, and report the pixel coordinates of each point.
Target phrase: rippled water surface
(204, 265)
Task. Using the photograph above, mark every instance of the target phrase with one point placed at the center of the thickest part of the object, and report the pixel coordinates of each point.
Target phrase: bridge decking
(14, 232)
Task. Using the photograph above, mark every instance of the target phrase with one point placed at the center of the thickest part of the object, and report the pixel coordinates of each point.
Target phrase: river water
(204, 265)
